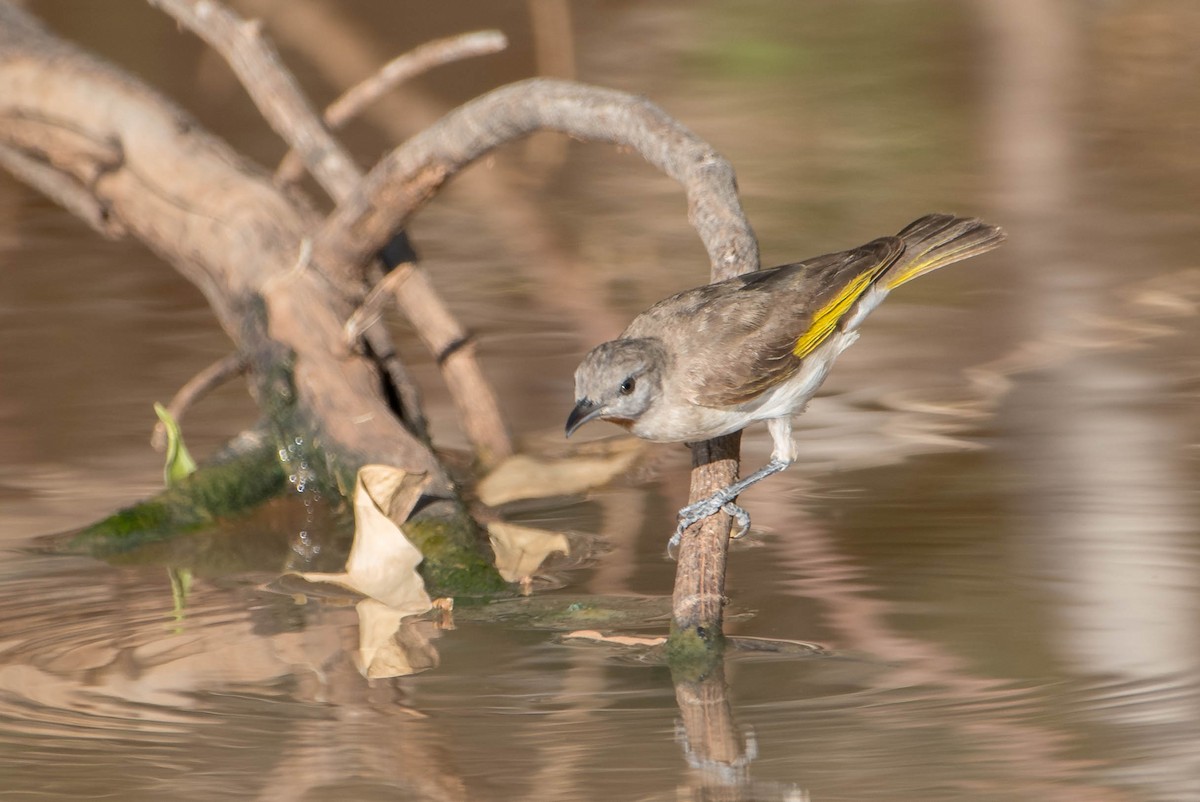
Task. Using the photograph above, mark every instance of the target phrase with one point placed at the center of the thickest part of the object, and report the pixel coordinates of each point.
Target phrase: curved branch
(405, 179)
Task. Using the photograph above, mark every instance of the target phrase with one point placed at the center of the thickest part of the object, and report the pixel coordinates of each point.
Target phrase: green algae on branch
(692, 652)
(224, 488)
(454, 563)
(193, 510)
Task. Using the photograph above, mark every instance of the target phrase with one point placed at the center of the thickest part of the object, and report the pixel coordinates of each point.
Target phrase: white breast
(790, 397)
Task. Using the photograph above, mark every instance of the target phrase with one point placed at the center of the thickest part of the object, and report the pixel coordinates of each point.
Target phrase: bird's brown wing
(735, 339)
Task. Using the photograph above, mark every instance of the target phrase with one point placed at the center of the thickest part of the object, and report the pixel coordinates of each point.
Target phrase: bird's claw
(705, 507)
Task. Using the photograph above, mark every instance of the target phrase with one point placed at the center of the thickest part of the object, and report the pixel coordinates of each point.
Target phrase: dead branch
(499, 198)
(405, 179)
(235, 236)
(272, 88)
(275, 93)
(222, 224)
(400, 69)
(698, 600)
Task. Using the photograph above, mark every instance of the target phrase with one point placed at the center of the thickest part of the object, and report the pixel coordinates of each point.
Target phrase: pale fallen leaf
(520, 550)
(390, 647)
(522, 476)
(383, 562)
(620, 640)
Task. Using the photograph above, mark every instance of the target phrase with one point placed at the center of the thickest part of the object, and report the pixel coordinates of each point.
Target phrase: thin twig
(408, 394)
(409, 65)
(371, 309)
(196, 388)
(363, 324)
(400, 69)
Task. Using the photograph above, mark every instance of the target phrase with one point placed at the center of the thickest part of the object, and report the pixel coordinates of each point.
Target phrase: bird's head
(618, 381)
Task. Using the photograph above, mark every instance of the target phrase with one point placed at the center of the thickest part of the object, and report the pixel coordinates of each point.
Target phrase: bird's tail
(937, 240)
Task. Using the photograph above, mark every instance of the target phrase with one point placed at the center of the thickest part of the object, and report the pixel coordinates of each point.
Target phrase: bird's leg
(723, 500)
(783, 455)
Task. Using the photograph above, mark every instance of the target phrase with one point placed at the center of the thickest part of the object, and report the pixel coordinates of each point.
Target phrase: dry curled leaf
(521, 550)
(383, 562)
(524, 477)
(390, 647)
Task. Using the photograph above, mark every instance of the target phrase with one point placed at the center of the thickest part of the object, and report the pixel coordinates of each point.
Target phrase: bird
(715, 359)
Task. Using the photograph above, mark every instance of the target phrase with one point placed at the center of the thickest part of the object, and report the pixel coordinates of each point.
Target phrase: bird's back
(733, 340)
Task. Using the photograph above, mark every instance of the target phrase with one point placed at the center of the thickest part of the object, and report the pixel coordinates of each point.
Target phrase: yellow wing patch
(927, 263)
(827, 317)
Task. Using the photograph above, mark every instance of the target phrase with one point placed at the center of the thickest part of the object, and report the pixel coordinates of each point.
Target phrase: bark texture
(151, 172)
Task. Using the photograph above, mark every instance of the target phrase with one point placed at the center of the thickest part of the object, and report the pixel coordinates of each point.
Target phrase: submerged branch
(160, 177)
(246, 475)
(699, 595)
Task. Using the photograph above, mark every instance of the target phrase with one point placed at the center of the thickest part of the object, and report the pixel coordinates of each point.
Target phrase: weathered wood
(275, 92)
(155, 174)
(698, 601)
(401, 183)
(404, 180)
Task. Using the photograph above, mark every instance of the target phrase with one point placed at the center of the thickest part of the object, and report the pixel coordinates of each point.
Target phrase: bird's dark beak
(585, 410)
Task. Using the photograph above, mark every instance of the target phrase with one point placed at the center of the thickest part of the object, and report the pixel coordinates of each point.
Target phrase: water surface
(993, 532)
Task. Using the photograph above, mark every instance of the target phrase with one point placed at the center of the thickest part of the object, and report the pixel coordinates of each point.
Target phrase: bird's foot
(698, 511)
(722, 500)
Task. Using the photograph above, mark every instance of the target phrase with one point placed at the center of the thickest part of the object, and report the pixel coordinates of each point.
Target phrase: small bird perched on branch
(712, 360)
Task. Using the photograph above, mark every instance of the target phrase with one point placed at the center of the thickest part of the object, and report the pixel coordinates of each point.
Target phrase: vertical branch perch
(698, 602)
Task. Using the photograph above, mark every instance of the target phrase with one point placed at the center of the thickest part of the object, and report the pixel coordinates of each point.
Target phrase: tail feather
(937, 240)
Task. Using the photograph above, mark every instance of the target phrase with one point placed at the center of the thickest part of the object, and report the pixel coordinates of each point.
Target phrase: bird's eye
(627, 386)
